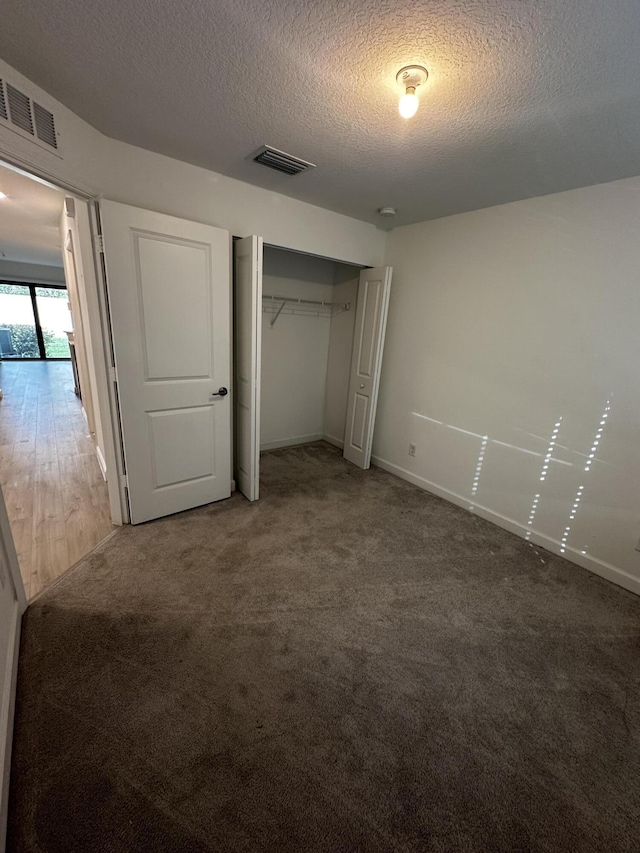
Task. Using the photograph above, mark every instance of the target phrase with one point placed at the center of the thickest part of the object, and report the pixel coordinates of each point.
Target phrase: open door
(168, 283)
(366, 362)
(248, 339)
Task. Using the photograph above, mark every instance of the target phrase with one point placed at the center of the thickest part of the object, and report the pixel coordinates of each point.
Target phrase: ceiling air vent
(45, 126)
(3, 103)
(20, 109)
(282, 162)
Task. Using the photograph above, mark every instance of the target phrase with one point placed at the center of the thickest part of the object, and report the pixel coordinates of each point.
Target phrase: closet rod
(293, 305)
(305, 301)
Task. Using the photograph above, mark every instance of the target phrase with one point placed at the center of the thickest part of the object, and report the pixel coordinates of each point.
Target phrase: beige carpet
(348, 665)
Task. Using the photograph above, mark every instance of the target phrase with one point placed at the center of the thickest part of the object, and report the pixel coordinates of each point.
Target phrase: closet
(308, 311)
(298, 377)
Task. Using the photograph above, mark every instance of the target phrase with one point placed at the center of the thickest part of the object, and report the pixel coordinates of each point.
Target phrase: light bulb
(408, 105)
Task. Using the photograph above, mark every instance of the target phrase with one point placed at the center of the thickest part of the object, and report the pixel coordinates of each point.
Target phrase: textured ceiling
(29, 220)
(524, 98)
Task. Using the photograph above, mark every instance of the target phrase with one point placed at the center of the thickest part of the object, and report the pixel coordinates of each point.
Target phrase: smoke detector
(387, 211)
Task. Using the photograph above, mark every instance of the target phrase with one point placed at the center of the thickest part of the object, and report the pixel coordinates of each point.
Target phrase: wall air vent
(45, 126)
(281, 162)
(27, 118)
(19, 109)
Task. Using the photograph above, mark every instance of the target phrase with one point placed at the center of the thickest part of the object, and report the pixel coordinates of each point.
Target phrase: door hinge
(100, 242)
(113, 376)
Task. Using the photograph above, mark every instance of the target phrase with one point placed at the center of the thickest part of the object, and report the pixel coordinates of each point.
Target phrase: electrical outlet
(412, 450)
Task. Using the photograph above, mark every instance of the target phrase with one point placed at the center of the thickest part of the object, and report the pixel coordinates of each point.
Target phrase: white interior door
(169, 283)
(248, 348)
(366, 361)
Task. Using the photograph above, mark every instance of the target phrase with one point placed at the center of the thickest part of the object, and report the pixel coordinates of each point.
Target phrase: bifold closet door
(366, 363)
(248, 350)
(169, 293)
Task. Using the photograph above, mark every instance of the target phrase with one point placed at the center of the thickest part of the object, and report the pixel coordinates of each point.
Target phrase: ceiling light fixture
(386, 211)
(3, 195)
(410, 77)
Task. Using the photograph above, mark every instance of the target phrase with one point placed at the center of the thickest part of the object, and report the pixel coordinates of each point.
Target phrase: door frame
(8, 693)
(89, 248)
(356, 266)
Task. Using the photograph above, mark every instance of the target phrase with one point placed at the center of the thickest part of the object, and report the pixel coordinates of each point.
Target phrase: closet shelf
(278, 305)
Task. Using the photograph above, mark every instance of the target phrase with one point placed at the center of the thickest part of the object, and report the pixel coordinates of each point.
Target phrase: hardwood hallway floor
(56, 497)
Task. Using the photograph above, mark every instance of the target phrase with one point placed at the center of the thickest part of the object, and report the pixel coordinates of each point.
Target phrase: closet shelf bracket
(277, 314)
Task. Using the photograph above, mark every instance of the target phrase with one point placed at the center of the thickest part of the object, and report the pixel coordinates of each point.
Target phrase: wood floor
(56, 497)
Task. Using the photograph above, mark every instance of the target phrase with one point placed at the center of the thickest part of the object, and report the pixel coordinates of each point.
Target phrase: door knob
(362, 384)
(222, 392)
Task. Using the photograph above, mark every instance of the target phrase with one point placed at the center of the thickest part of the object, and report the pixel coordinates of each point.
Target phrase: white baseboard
(291, 442)
(7, 707)
(331, 439)
(101, 463)
(598, 567)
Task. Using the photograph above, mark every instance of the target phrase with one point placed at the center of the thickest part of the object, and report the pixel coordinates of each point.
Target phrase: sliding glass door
(52, 305)
(18, 337)
(34, 321)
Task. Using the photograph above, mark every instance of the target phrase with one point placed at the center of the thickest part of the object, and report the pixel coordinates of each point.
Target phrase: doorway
(309, 335)
(51, 476)
(308, 315)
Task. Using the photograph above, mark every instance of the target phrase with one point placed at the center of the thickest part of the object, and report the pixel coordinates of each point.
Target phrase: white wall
(121, 172)
(294, 351)
(339, 362)
(38, 273)
(504, 323)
